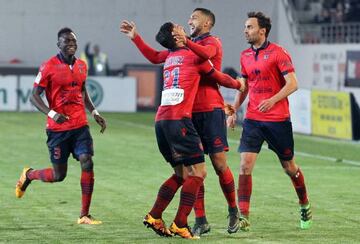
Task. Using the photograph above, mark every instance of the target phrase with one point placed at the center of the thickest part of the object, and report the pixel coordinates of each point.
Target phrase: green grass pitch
(129, 170)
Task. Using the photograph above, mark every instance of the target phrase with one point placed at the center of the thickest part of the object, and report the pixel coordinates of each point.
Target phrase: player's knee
(245, 168)
(86, 162)
(290, 168)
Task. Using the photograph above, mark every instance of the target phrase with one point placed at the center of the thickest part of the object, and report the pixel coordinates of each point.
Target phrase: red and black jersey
(206, 47)
(182, 70)
(208, 96)
(63, 88)
(265, 68)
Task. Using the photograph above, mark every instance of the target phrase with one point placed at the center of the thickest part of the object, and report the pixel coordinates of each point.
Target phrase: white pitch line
(304, 154)
(310, 155)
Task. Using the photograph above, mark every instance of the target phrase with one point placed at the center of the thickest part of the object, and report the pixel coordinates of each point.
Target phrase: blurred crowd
(328, 11)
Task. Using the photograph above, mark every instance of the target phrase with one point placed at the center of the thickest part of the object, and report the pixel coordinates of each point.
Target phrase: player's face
(196, 23)
(253, 33)
(67, 44)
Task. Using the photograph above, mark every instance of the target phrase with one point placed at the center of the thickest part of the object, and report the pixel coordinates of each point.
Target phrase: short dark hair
(165, 37)
(208, 13)
(263, 21)
(63, 31)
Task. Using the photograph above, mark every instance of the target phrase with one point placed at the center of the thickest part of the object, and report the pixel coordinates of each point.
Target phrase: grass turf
(129, 169)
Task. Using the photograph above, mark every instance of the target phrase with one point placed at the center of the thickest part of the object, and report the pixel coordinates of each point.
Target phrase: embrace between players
(190, 121)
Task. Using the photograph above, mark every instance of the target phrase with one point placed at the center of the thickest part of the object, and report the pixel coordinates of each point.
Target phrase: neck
(68, 59)
(202, 33)
(259, 44)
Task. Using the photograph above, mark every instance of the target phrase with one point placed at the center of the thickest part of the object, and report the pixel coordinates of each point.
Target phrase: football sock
(244, 194)
(45, 175)
(300, 188)
(87, 186)
(199, 206)
(226, 180)
(188, 195)
(165, 195)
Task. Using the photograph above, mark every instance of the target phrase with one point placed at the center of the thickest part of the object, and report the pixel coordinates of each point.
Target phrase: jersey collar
(201, 37)
(263, 46)
(61, 57)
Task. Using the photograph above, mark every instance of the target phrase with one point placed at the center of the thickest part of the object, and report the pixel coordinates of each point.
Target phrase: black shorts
(179, 142)
(278, 135)
(211, 127)
(61, 144)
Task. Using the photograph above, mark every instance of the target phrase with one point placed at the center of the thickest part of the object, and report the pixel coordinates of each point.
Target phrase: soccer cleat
(88, 220)
(200, 229)
(306, 217)
(234, 221)
(22, 183)
(183, 232)
(244, 224)
(158, 225)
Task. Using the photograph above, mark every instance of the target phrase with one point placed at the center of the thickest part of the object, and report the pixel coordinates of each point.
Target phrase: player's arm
(238, 101)
(37, 101)
(203, 51)
(222, 79)
(91, 108)
(154, 56)
(289, 87)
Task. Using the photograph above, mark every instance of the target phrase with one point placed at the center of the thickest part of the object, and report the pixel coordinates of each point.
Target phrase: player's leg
(187, 150)
(227, 184)
(250, 145)
(189, 191)
(280, 140)
(201, 225)
(298, 181)
(168, 188)
(82, 150)
(59, 153)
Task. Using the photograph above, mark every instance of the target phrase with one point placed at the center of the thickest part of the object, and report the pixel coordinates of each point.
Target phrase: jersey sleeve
(206, 68)
(243, 72)
(42, 78)
(283, 62)
(206, 51)
(154, 56)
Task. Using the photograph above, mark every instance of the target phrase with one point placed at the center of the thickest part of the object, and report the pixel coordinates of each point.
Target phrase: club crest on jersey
(266, 56)
(172, 61)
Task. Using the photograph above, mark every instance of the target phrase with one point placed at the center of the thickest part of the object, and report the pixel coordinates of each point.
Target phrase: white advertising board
(300, 110)
(8, 93)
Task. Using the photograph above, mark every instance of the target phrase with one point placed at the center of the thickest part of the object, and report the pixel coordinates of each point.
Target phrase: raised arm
(154, 56)
(203, 51)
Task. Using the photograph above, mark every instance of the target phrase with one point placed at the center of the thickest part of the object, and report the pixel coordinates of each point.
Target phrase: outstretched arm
(222, 79)
(90, 107)
(154, 56)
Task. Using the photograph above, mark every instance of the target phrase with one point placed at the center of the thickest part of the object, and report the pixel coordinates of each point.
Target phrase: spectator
(97, 61)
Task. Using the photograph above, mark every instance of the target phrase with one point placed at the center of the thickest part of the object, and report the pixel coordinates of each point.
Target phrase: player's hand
(231, 121)
(179, 34)
(60, 118)
(266, 105)
(242, 84)
(128, 28)
(229, 109)
(101, 121)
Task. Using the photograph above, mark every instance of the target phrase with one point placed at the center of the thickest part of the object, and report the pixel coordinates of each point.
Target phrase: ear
(58, 44)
